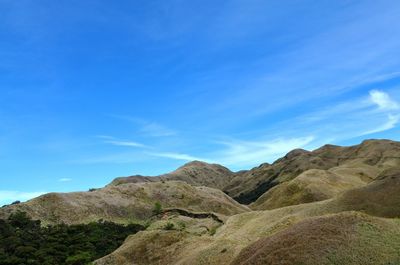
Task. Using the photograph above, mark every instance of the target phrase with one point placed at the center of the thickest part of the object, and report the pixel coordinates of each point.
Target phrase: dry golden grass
(380, 198)
(125, 203)
(317, 228)
(347, 238)
(364, 161)
(194, 173)
(312, 185)
(332, 206)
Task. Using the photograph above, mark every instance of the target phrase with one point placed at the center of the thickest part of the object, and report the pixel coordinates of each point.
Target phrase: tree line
(24, 241)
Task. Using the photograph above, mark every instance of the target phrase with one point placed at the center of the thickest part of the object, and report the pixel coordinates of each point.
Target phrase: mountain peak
(197, 163)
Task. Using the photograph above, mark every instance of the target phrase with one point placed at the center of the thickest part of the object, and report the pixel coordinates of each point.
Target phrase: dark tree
(25, 241)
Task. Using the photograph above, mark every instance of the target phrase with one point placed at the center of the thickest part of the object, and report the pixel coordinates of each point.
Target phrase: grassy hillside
(312, 185)
(194, 173)
(334, 205)
(368, 159)
(125, 203)
(347, 238)
(332, 219)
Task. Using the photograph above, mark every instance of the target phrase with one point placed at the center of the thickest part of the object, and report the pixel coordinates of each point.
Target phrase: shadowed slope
(371, 156)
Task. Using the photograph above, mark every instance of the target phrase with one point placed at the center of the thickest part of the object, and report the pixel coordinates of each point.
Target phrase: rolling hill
(125, 203)
(366, 160)
(338, 231)
(333, 205)
(195, 173)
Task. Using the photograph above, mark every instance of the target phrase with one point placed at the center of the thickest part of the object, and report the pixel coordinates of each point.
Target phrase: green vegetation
(213, 230)
(157, 209)
(182, 225)
(169, 226)
(24, 241)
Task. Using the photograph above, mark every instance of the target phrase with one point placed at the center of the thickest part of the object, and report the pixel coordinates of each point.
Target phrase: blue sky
(92, 90)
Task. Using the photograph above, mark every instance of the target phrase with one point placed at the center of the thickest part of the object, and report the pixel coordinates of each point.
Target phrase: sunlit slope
(316, 185)
(195, 173)
(351, 166)
(125, 203)
(365, 219)
(349, 238)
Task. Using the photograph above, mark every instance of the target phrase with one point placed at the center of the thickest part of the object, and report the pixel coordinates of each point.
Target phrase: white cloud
(236, 153)
(383, 100)
(346, 120)
(113, 158)
(244, 153)
(386, 105)
(157, 130)
(178, 156)
(125, 143)
(105, 137)
(65, 179)
(391, 122)
(7, 196)
(148, 128)
(373, 113)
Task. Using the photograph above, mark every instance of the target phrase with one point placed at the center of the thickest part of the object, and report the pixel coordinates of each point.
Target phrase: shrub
(213, 230)
(157, 209)
(82, 258)
(182, 225)
(169, 226)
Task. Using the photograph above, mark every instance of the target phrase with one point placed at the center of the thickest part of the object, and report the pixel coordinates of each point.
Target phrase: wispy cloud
(65, 179)
(340, 58)
(179, 156)
(125, 143)
(156, 130)
(148, 128)
(107, 139)
(248, 153)
(392, 121)
(364, 115)
(112, 158)
(387, 106)
(383, 100)
(343, 121)
(7, 196)
(235, 153)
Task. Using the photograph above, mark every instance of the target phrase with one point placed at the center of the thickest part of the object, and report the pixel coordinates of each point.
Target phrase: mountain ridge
(195, 173)
(345, 194)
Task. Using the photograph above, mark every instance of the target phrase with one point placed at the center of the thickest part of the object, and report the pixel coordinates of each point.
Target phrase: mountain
(363, 162)
(125, 203)
(311, 185)
(194, 173)
(366, 159)
(360, 226)
(332, 205)
(346, 238)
